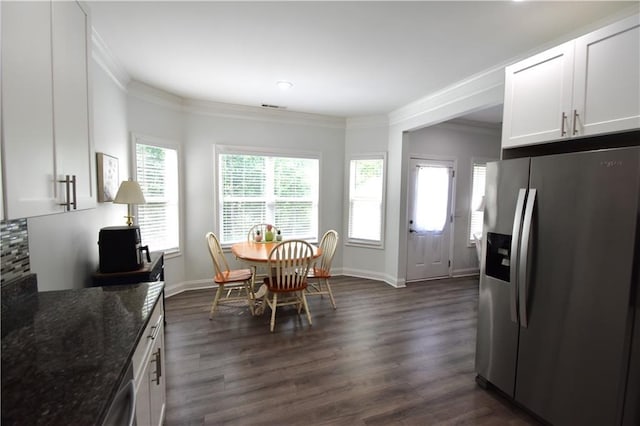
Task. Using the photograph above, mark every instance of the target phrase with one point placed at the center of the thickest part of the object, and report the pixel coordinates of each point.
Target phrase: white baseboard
(377, 276)
(359, 273)
(174, 289)
(467, 272)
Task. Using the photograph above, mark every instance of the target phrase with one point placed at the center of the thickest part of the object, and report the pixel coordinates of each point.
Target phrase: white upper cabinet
(538, 97)
(607, 79)
(74, 152)
(45, 104)
(27, 120)
(587, 86)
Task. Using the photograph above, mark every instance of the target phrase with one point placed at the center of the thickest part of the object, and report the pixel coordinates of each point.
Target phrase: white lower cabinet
(157, 395)
(149, 372)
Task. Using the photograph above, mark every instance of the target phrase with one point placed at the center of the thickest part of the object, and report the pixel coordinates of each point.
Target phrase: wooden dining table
(256, 254)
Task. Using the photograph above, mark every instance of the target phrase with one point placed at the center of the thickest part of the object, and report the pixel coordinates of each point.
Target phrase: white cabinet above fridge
(588, 86)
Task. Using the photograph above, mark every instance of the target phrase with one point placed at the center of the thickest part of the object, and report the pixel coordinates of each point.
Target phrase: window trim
(219, 149)
(167, 144)
(356, 242)
(473, 162)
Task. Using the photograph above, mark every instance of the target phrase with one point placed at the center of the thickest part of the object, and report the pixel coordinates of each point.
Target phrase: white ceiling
(344, 59)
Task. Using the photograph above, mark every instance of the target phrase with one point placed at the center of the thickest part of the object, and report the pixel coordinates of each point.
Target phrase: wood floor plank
(386, 356)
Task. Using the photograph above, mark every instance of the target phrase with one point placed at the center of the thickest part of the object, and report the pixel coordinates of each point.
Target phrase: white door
(430, 218)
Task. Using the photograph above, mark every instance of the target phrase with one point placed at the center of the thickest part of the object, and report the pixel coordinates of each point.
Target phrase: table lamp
(129, 193)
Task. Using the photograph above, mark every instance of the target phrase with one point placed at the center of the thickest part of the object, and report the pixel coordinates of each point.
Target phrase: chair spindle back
(288, 265)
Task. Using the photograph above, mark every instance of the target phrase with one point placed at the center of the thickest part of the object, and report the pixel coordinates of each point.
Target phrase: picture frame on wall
(108, 179)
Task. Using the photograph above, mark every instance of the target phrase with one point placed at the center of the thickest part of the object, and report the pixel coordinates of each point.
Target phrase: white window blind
(366, 190)
(477, 194)
(157, 174)
(279, 190)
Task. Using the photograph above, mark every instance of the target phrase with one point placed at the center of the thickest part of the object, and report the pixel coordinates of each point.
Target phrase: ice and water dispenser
(498, 256)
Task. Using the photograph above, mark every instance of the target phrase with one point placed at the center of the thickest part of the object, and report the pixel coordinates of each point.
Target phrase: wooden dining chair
(228, 279)
(288, 265)
(262, 227)
(320, 272)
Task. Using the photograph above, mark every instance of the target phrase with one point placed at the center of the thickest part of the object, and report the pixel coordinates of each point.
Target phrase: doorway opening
(430, 213)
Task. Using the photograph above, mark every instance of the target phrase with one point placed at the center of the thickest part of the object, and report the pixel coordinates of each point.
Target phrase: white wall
(159, 114)
(63, 247)
(391, 134)
(463, 143)
(363, 136)
(198, 126)
(478, 92)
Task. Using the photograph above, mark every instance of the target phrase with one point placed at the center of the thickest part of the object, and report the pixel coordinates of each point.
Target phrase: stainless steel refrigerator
(558, 296)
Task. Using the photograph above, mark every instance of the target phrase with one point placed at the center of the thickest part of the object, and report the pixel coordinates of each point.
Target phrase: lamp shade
(129, 193)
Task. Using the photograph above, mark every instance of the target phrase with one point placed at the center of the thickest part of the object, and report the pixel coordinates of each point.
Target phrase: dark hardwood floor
(386, 356)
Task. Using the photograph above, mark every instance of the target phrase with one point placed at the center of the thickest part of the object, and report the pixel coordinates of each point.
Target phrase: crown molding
(368, 122)
(471, 126)
(155, 96)
(159, 97)
(102, 55)
(471, 87)
(245, 112)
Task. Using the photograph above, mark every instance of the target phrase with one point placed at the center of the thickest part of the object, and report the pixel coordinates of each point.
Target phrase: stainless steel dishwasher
(123, 408)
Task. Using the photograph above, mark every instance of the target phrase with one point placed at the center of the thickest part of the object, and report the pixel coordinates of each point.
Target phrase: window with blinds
(366, 194)
(257, 188)
(478, 176)
(157, 174)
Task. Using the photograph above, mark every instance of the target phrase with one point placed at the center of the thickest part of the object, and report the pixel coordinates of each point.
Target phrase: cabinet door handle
(155, 329)
(75, 195)
(67, 183)
(159, 366)
(158, 360)
(563, 132)
(575, 121)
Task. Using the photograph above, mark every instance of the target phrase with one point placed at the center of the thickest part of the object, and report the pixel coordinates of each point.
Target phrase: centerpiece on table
(258, 236)
(268, 235)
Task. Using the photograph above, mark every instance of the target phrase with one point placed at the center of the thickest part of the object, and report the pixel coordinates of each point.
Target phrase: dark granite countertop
(65, 353)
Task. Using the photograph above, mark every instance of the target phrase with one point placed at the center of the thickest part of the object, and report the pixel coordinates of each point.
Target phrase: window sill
(170, 254)
(364, 245)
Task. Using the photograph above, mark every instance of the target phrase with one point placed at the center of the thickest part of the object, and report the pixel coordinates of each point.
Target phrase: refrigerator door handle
(513, 261)
(523, 276)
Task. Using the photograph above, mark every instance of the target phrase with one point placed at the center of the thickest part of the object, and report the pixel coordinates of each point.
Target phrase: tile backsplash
(14, 245)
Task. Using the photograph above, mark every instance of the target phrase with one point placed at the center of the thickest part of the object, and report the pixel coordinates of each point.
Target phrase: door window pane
(432, 198)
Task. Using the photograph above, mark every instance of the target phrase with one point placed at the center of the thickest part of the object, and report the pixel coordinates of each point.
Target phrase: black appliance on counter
(121, 249)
